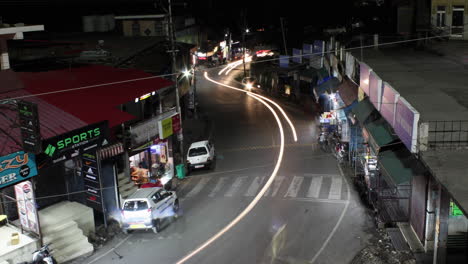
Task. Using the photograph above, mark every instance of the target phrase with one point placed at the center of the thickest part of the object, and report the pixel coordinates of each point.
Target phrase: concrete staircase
(66, 225)
(126, 186)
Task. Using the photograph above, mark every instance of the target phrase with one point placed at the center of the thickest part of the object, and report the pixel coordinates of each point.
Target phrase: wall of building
(448, 15)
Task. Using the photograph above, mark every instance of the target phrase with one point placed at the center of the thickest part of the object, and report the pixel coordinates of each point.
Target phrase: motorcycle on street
(42, 256)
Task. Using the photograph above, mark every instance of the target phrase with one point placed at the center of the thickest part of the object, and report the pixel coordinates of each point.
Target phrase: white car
(201, 154)
(147, 207)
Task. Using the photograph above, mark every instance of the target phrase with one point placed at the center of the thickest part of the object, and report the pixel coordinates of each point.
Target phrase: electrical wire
(177, 73)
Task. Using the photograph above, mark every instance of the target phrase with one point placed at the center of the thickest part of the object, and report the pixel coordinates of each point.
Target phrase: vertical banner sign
(30, 128)
(284, 61)
(27, 206)
(318, 50)
(176, 123)
(297, 55)
(17, 167)
(375, 90)
(364, 77)
(406, 124)
(165, 128)
(389, 101)
(307, 50)
(92, 180)
(350, 65)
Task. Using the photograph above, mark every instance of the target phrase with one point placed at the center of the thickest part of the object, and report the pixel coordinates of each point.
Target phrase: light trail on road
(258, 196)
(291, 125)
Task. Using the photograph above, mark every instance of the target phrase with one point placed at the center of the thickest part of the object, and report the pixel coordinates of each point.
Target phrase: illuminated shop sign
(16, 167)
(71, 144)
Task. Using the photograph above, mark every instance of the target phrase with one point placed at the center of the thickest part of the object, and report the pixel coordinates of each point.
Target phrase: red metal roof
(66, 111)
(53, 122)
(94, 104)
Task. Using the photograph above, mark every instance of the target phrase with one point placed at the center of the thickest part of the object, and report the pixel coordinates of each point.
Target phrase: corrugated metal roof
(62, 112)
(53, 121)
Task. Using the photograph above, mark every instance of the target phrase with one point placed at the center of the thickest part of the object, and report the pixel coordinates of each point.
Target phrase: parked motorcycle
(42, 256)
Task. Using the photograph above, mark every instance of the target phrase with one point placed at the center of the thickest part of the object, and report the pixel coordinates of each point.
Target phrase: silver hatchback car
(147, 207)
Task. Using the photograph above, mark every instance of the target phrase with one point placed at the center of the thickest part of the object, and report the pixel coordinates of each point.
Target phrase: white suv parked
(147, 207)
(200, 154)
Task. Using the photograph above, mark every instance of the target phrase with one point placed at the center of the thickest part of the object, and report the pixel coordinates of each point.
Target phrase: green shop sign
(73, 143)
(454, 210)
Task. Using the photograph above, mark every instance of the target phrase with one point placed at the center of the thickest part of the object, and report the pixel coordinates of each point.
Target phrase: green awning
(363, 110)
(330, 86)
(380, 134)
(395, 168)
(323, 73)
(308, 75)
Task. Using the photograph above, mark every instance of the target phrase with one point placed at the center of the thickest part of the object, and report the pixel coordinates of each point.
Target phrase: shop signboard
(389, 101)
(149, 129)
(307, 49)
(17, 167)
(76, 142)
(350, 65)
(29, 125)
(26, 204)
(169, 126)
(406, 124)
(364, 72)
(297, 55)
(375, 90)
(165, 128)
(284, 61)
(92, 180)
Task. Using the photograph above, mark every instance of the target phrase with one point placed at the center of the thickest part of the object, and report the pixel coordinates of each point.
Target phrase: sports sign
(73, 143)
(16, 167)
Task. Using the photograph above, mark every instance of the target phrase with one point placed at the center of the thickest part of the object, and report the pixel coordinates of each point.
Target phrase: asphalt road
(309, 214)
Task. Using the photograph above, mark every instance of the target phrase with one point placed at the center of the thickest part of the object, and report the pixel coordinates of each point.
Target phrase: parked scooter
(42, 256)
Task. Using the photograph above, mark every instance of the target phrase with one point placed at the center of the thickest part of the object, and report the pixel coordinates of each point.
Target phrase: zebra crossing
(305, 186)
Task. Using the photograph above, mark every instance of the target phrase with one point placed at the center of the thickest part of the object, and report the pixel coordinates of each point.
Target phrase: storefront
(19, 222)
(151, 160)
(153, 164)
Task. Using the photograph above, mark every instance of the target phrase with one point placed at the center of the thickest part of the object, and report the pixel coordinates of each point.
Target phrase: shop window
(440, 18)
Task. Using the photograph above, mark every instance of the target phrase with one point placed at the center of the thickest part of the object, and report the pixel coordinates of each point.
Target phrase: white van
(201, 154)
(147, 207)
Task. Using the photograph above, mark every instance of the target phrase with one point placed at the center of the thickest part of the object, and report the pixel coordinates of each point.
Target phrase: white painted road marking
(198, 187)
(235, 186)
(314, 189)
(294, 187)
(253, 188)
(218, 186)
(276, 185)
(335, 188)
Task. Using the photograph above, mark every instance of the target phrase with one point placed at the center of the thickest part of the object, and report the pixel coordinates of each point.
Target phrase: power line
(177, 73)
(89, 87)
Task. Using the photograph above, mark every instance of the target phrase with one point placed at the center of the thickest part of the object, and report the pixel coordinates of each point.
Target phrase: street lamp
(243, 44)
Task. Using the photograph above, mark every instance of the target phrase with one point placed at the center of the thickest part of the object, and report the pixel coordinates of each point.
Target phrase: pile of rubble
(380, 251)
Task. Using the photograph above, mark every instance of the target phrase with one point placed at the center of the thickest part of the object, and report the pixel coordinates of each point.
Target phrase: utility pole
(175, 78)
(284, 38)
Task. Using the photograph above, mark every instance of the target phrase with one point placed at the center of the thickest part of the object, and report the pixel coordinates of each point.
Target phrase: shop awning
(308, 75)
(348, 91)
(322, 73)
(330, 86)
(398, 166)
(363, 110)
(380, 134)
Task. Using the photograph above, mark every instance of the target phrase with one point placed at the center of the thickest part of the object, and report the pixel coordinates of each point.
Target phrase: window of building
(440, 19)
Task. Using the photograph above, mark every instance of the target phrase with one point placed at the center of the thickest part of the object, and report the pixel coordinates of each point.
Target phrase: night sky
(216, 15)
